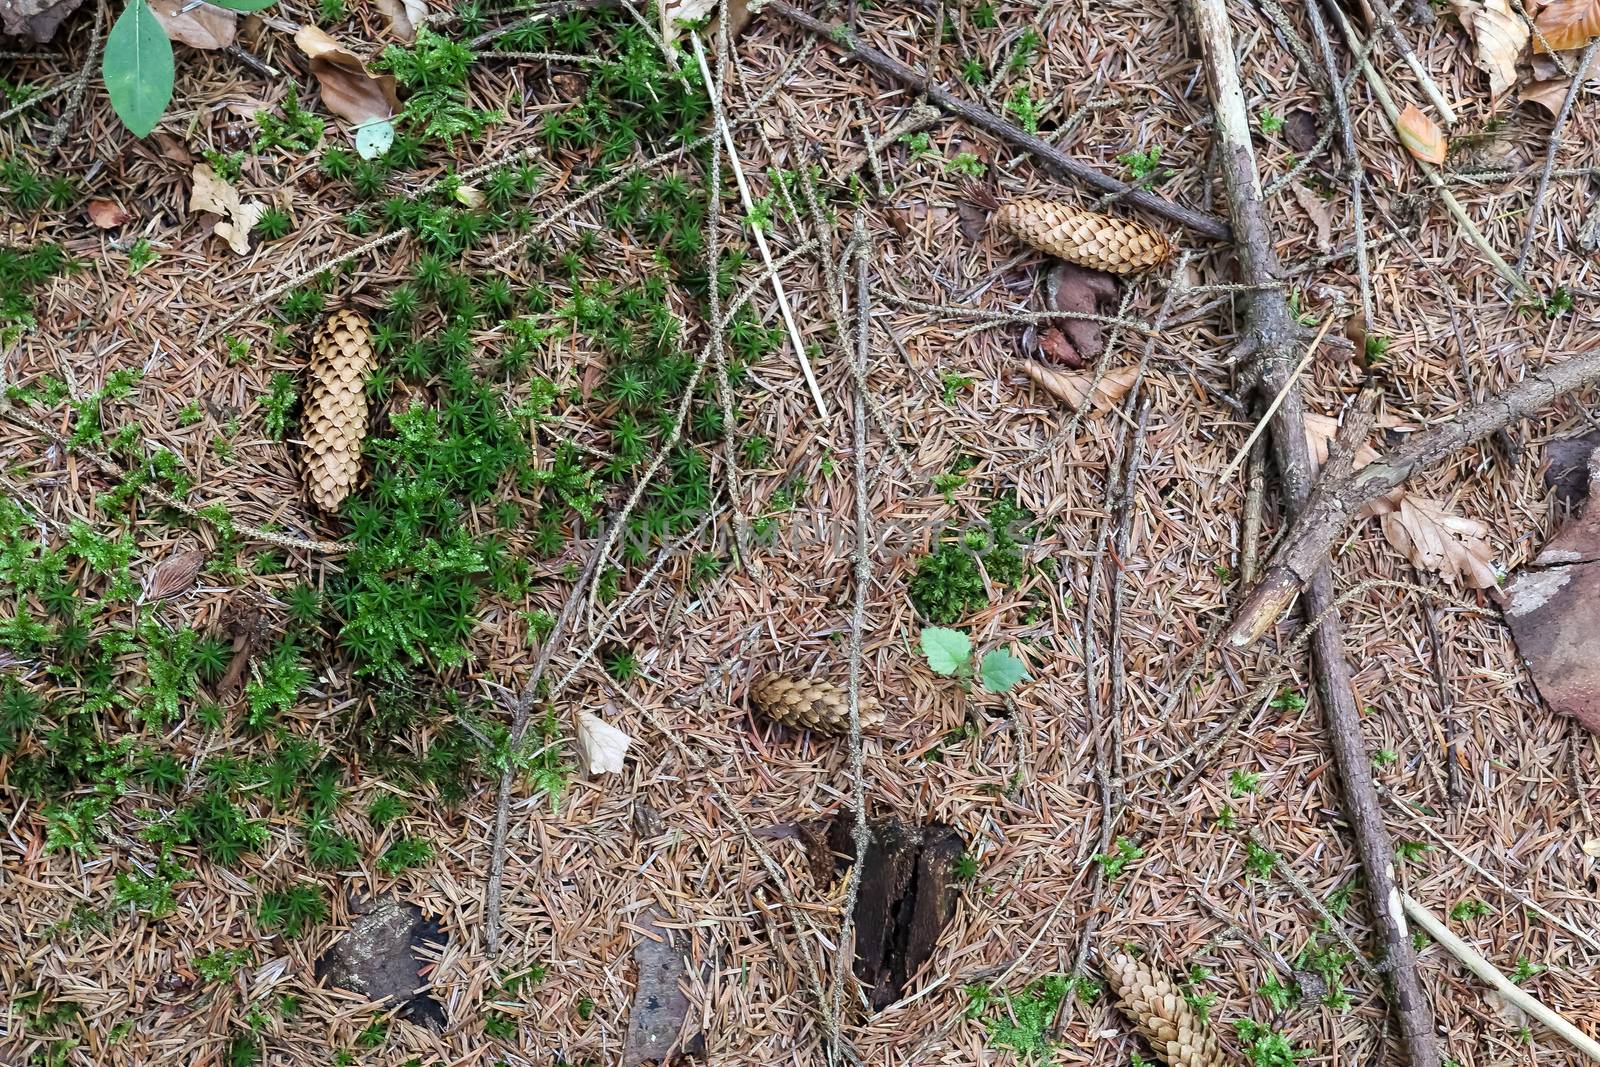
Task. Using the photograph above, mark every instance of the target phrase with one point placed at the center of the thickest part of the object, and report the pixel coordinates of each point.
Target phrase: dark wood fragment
(660, 1004)
(908, 893)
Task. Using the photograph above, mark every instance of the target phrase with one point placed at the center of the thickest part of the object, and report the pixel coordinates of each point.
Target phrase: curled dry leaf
(1321, 217)
(676, 12)
(349, 90)
(603, 745)
(404, 17)
(1054, 343)
(1429, 534)
(213, 194)
(1436, 539)
(107, 214)
(1567, 24)
(1498, 38)
(174, 574)
(1072, 387)
(1422, 136)
(470, 196)
(1549, 94)
(203, 26)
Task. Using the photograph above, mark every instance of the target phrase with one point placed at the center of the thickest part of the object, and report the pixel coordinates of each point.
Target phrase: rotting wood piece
(660, 1005)
(908, 894)
(378, 958)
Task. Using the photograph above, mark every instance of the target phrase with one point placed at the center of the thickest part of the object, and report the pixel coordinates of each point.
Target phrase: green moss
(1021, 1022)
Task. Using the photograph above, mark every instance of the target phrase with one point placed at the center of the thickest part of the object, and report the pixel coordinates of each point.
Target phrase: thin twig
(1469, 228)
(858, 613)
(1551, 151)
(1354, 174)
(91, 68)
(1204, 225)
(719, 353)
(760, 238)
(1430, 88)
(1509, 991)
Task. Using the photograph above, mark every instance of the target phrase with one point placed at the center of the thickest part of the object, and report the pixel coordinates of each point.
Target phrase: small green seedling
(949, 652)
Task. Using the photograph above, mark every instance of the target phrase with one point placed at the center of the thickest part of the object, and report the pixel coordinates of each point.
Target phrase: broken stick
(1304, 549)
(1271, 339)
(842, 37)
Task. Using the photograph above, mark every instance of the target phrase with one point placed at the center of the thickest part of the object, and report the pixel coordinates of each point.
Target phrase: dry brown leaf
(404, 17)
(204, 26)
(1054, 343)
(349, 90)
(1567, 24)
(107, 214)
(174, 574)
(1498, 38)
(603, 745)
(1431, 536)
(1071, 387)
(1422, 136)
(1549, 94)
(1437, 539)
(1321, 217)
(211, 193)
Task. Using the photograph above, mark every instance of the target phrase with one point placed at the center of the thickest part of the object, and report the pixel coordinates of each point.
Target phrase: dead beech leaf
(1567, 24)
(674, 12)
(1054, 343)
(1549, 94)
(1437, 539)
(211, 193)
(1422, 136)
(1321, 217)
(107, 214)
(470, 196)
(204, 26)
(404, 17)
(174, 574)
(349, 90)
(1498, 38)
(602, 744)
(1072, 387)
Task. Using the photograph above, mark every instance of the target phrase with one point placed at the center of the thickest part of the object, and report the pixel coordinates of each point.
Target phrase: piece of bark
(1566, 468)
(660, 1005)
(1553, 605)
(378, 958)
(37, 19)
(908, 894)
(1081, 291)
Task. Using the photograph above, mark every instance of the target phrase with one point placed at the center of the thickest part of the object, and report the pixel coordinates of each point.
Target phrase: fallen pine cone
(809, 704)
(1087, 238)
(1152, 1002)
(335, 418)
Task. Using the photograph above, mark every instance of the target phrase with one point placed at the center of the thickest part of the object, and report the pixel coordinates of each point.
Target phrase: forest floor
(180, 848)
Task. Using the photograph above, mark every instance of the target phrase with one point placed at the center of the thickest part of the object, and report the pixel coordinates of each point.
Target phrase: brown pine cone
(1089, 239)
(812, 705)
(335, 418)
(1154, 1004)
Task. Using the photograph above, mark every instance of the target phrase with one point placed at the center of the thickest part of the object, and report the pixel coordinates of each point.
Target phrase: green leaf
(1001, 670)
(947, 651)
(242, 5)
(373, 138)
(138, 68)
